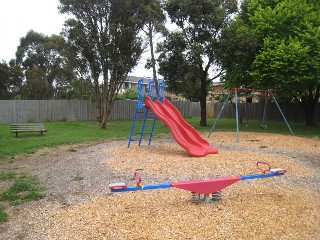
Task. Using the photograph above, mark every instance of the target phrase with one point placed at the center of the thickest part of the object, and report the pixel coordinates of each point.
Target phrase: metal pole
(146, 187)
(284, 118)
(237, 115)
(221, 110)
(259, 175)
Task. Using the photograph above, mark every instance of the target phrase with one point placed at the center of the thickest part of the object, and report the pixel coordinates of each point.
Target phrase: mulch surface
(79, 205)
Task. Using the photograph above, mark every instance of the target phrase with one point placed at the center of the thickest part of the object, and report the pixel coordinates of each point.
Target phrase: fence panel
(15, 111)
(123, 110)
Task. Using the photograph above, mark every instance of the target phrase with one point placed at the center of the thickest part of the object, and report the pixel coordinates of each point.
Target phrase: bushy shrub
(128, 94)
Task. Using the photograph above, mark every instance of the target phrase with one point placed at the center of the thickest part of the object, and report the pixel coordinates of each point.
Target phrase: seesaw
(198, 187)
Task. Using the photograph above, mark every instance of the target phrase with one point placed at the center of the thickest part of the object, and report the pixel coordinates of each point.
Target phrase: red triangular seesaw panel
(206, 186)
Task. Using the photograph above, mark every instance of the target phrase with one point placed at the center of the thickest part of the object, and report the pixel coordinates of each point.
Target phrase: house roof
(134, 79)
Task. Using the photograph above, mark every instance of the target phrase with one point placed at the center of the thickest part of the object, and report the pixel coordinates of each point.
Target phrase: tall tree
(189, 55)
(34, 87)
(10, 80)
(105, 34)
(155, 23)
(239, 46)
(44, 53)
(275, 45)
(289, 60)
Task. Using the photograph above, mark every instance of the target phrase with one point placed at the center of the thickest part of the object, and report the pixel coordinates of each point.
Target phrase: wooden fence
(254, 111)
(15, 111)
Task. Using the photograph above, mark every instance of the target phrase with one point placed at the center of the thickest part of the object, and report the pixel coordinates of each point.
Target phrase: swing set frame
(235, 91)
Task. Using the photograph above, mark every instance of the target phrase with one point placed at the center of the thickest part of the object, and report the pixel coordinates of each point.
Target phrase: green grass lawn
(22, 187)
(62, 133)
(76, 132)
(278, 127)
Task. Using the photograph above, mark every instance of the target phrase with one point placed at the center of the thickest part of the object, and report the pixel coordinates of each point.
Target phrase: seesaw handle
(263, 167)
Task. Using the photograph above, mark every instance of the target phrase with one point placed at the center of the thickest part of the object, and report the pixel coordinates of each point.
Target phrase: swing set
(263, 124)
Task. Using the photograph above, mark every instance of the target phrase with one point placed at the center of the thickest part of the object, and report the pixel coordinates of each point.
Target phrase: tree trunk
(309, 110)
(203, 100)
(105, 94)
(103, 123)
(97, 100)
(153, 61)
(309, 104)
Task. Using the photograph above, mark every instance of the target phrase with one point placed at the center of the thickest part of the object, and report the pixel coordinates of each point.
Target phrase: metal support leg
(237, 115)
(221, 110)
(207, 199)
(284, 118)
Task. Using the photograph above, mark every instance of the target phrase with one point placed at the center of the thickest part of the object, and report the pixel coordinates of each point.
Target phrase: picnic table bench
(27, 127)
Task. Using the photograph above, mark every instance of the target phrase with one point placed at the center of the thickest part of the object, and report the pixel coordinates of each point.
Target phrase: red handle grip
(263, 167)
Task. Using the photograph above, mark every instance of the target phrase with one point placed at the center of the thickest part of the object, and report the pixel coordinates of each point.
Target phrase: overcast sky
(17, 17)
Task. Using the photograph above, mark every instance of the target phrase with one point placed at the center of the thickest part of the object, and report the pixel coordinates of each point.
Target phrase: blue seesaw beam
(193, 185)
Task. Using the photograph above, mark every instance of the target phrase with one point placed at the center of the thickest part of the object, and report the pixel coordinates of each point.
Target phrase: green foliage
(78, 177)
(291, 48)
(281, 64)
(22, 190)
(41, 58)
(3, 215)
(128, 94)
(35, 87)
(153, 12)
(78, 88)
(104, 41)
(239, 45)
(275, 45)
(7, 175)
(72, 150)
(188, 56)
(180, 74)
(289, 61)
(10, 80)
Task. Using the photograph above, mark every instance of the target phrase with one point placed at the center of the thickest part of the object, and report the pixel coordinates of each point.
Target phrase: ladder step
(141, 133)
(134, 140)
(137, 128)
(145, 120)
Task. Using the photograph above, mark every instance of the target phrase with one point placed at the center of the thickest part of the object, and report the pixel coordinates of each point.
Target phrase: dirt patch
(78, 204)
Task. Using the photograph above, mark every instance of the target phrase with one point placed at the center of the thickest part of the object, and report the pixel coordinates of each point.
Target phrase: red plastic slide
(185, 135)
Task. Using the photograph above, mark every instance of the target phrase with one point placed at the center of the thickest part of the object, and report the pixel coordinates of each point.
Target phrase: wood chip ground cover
(78, 204)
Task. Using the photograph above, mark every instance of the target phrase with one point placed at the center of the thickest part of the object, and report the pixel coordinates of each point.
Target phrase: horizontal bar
(259, 175)
(146, 187)
(254, 90)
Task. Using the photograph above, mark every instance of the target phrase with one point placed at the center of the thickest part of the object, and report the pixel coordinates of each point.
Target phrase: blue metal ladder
(144, 120)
